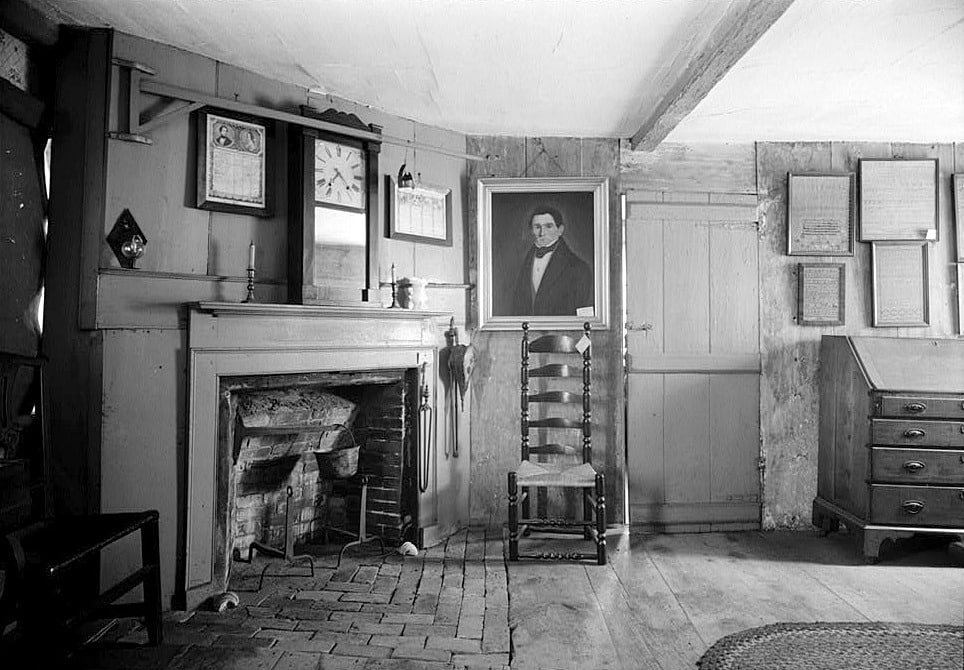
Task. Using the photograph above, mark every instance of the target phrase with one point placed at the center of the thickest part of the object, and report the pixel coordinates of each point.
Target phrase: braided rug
(839, 646)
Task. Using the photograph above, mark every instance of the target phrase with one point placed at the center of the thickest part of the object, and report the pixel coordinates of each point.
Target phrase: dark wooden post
(513, 518)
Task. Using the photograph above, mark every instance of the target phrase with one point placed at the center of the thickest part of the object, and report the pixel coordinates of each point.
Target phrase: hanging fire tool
(425, 427)
(457, 361)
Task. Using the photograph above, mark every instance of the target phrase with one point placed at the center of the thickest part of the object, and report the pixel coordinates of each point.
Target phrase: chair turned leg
(600, 519)
(151, 557)
(513, 518)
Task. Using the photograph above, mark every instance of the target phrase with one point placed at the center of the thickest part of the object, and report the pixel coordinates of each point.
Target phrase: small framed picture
(821, 294)
(419, 213)
(900, 284)
(899, 200)
(233, 159)
(820, 214)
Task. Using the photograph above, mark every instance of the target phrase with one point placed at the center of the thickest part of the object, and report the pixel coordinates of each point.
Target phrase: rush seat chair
(557, 407)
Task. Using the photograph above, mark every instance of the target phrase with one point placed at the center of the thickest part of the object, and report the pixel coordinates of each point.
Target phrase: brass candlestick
(250, 296)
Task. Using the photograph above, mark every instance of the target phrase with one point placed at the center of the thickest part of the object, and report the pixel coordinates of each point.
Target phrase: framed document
(958, 187)
(820, 214)
(420, 213)
(898, 199)
(900, 284)
(821, 294)
(232, 164)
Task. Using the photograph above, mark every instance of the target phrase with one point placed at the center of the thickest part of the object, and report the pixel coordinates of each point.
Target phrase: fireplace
(276, 426)
(365, 358)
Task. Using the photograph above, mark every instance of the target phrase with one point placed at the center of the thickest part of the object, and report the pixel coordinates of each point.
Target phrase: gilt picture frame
(561, 288)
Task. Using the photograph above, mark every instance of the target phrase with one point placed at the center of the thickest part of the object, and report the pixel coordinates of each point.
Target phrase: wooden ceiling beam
(743, 23)
(27, 23)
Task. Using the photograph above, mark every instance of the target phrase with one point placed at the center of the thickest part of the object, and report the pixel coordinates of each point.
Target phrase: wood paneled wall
(790, 353)
(495, 382)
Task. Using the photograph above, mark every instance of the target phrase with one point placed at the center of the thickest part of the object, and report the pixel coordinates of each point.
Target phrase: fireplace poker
(425, 425)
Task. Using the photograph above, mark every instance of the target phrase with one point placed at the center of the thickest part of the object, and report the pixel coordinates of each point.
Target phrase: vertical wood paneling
(686, 434)
(644, 440)
(686, 286)
(645, 306)
(495, 410)
(734, 289)
(734, 440)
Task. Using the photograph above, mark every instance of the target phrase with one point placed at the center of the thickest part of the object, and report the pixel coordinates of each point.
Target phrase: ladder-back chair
(554, 464)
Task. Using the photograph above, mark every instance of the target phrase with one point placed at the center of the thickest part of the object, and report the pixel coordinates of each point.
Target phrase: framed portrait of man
(543, 252)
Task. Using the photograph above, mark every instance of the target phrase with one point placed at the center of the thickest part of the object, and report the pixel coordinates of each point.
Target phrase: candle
(251, 256)
(393, 273)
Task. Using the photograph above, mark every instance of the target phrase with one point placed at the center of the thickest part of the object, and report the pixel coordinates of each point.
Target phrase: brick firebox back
(277, 422)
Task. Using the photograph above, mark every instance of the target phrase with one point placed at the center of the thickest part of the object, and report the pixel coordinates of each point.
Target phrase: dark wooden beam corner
(27, 23)
(744, 22)
(19, 106)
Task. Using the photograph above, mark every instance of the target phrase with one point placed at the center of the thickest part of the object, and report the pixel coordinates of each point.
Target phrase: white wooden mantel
(235, 339)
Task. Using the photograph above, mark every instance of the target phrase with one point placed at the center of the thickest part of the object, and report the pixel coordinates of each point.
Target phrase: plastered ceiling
(828, 69)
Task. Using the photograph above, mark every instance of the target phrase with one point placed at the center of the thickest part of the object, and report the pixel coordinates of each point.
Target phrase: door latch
(632, 325)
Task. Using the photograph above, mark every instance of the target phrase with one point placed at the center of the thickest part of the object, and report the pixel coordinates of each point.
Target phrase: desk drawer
(911, 406)
(917, 505)
(912, 466)
(911, 433)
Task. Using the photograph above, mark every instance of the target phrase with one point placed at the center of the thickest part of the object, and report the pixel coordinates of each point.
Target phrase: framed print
(900, 284)
(898, 200)
(957, 182)
(820, 214)
(419, 213)
(543, 252)
(821, 294)
(232, 164)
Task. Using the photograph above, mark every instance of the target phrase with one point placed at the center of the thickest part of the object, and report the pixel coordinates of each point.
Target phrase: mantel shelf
(314, 311)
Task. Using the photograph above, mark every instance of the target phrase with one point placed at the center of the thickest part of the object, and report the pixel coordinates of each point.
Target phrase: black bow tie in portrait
(542, 251)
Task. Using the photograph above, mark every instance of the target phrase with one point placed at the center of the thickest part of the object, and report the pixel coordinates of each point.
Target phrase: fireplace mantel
(238, 339)
(313, 311)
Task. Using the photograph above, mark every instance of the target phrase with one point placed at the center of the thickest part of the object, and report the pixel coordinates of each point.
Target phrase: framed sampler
(419, 213)
(821, 294)
(900, 282)
(820, 214)
(333, 213)
(899, 200)
(234, 169)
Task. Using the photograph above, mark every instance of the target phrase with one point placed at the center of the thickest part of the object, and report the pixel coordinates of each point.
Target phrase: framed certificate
(900, 284)
(899, 200)
(233, 164)
(420, 213)
(821, 294)
(820, 214)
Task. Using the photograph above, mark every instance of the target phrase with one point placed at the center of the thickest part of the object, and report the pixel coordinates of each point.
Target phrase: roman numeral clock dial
(339, 174)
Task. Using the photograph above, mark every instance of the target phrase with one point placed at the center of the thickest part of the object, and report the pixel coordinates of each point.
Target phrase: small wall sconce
(126, 240)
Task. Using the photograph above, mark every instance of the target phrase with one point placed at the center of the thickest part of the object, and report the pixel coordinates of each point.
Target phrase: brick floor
(446, 608)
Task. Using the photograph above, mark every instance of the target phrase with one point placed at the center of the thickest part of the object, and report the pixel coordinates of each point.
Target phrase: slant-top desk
(891, 453)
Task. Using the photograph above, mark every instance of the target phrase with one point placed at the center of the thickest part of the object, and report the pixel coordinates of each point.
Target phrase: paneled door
(693, 360)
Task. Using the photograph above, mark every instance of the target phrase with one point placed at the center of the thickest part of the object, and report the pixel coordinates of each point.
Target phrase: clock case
(302, 288)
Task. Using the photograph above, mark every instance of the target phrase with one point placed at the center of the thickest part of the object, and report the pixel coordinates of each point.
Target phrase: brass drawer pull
(914, 466)
(915, 433)
(916, 407)
(913, 506)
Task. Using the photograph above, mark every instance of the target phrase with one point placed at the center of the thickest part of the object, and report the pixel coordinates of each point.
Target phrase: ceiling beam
(743, 23)
(27, 23)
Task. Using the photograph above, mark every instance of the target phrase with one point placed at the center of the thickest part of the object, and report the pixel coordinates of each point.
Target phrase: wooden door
(693, 403)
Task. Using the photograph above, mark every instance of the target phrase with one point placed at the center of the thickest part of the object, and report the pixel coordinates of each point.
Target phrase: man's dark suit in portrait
(553, 280)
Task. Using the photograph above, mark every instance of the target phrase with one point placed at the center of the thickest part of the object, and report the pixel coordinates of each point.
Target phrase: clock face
(339, 174)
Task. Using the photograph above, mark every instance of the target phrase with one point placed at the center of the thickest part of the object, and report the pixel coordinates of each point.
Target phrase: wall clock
(340, 172)
(333, 224)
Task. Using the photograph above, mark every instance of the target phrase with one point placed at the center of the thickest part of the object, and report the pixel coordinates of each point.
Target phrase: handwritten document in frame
(820, 214)
(420, 213)
(820, 294)
(900, 284)
(232, 165)
(898, 200)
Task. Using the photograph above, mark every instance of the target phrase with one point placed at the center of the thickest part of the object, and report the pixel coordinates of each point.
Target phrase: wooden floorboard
(664, 599)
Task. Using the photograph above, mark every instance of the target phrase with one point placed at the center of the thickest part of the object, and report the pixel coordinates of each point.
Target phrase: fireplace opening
(269, 428)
